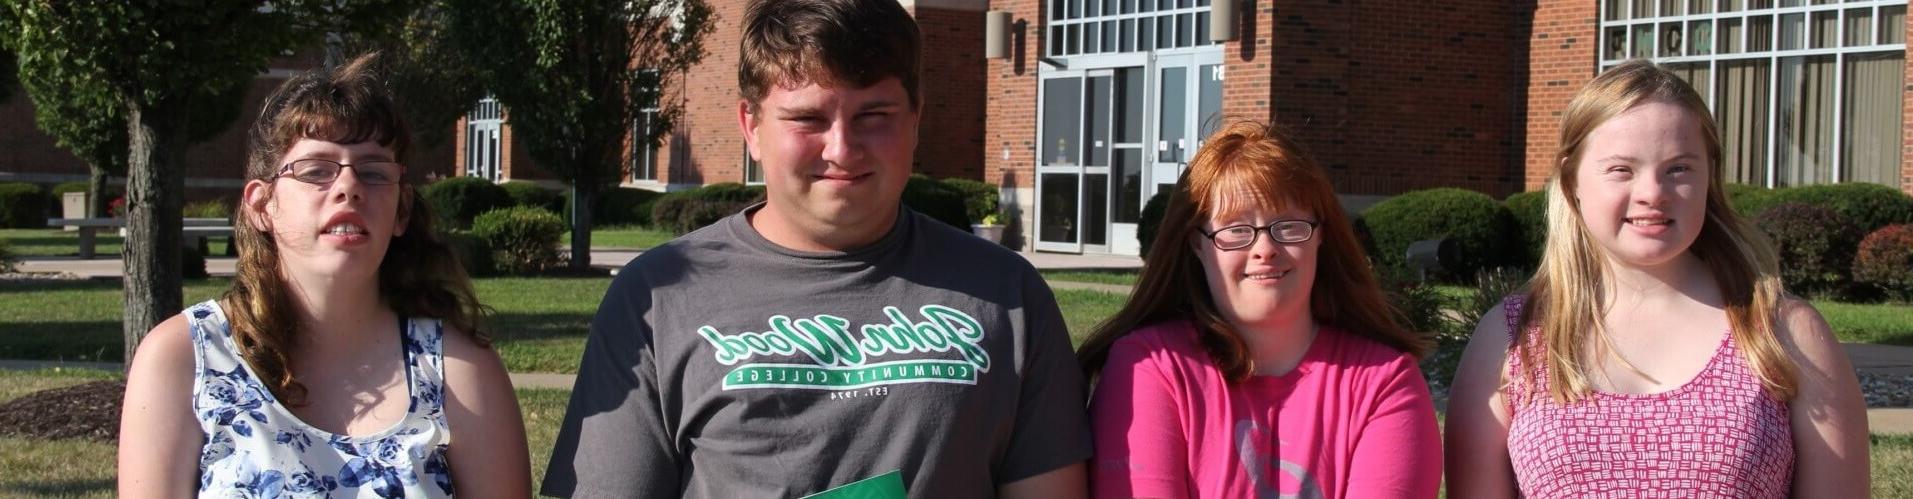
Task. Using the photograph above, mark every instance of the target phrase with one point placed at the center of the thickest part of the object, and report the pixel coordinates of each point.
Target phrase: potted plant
(988, 228)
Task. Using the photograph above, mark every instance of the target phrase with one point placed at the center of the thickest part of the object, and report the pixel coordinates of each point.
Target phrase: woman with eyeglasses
(345, 360)
(1257, 356)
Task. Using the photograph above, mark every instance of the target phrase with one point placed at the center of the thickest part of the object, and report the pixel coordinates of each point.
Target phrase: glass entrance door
(1187, 107)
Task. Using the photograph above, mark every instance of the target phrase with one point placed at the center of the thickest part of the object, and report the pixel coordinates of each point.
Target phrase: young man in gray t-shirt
(828, 340)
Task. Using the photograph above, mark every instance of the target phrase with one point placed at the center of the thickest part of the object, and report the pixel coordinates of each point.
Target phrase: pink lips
(345, 217)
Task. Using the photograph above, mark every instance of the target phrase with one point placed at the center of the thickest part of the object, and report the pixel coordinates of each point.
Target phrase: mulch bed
(90, 410)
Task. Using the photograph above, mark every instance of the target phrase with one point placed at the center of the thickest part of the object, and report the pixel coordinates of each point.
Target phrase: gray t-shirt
(722, 365)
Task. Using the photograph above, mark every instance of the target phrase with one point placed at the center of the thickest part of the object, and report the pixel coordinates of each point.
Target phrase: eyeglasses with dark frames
(1240, 236)
(324, 171)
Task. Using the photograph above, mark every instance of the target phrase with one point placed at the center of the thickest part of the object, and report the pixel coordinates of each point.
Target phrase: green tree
(163, 66)
(429, 80)
(572, 74)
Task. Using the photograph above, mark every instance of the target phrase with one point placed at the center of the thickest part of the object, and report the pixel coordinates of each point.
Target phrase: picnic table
(193, 229)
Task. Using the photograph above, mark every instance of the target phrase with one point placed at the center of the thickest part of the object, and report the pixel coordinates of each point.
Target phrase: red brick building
(1100, 103)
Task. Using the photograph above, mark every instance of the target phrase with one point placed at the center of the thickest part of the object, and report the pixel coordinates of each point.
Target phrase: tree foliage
(574, 73)
(430, 80)
(163, 65)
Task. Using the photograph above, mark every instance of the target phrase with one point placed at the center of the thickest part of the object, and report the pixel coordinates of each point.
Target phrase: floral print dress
(255, 447)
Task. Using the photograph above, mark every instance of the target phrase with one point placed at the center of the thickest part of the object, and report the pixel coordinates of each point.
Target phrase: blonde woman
(1654, 354)
(344, 360)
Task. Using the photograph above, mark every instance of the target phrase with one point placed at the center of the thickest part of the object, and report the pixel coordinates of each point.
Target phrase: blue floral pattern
(255, 447)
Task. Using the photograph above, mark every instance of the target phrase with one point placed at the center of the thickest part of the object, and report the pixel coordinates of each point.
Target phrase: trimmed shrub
(472, 252)
(1151, 220)
(938, 200)
(62, 188)
(22, 205)
(1868, 205)
(1530, 213)
(668, 212)
(215, 208)
(1748, 199)
(979, 198)
(616, 206)
(522, 238)
(1476, 223)
(459, 200)
(534, 195)
(1816, 246)
(1885, 262)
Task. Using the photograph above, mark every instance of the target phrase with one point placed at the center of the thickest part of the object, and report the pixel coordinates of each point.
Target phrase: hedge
(1816, 246)
(617, 206)
(1530, 214)
(522, 238)
(938, 200)
(534, 195)
(1868, 205)
(22, 205)
(1885, 262)
(979, 198)
(1151, 220)
(459, 200)
(1476, 223)
(684, 211)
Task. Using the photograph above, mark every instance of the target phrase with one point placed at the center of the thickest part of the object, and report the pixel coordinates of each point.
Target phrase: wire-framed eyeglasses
(1240, 236)
(323, 171)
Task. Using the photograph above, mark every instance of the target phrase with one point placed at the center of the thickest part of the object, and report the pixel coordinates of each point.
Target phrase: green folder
(885, 486)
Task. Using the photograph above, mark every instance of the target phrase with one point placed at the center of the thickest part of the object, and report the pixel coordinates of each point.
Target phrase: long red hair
(1244, 164)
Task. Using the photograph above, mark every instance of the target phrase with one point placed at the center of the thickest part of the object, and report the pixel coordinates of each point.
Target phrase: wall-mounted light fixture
(1222, 21)
(996, 34)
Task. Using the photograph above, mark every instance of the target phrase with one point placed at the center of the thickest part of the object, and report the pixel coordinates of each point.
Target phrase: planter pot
(994, 233)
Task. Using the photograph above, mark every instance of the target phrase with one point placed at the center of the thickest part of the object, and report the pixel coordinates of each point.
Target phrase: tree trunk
(96, 199)
(583, 196)
(154, 193)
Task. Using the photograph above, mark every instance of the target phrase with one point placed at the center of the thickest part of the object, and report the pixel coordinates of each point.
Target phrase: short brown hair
(835, 43)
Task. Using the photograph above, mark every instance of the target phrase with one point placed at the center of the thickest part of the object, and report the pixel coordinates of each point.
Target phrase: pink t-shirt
(1353, 419)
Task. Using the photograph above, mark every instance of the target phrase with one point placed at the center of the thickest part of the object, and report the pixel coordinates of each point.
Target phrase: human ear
(253, 201)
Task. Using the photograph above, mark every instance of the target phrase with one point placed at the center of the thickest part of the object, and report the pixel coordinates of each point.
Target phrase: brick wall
(1393, 96)
(1563, 55)
(950, 140)
(1009, 132)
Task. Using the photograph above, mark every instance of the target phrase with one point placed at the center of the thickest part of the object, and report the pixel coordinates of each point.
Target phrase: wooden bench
(193, 229)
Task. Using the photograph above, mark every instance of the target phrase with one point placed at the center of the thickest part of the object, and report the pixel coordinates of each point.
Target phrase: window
(1078, 27)
(644, 149)
(1804, 92)
(482, 147)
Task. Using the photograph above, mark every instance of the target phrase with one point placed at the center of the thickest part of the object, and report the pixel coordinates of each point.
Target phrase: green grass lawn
(623, 237)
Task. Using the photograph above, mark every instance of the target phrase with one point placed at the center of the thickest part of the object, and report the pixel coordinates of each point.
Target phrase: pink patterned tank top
(1719, 435)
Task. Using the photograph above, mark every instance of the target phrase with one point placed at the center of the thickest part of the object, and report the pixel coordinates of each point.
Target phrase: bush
(979, 198)
(1748, 199)
(22, 205)
(1885, 262)
(459, 200)
(62, 188)
(624, 206)
(1477, 224)
(522, 238)
(215, 208)
(1529, 211)
(1816, 246)
(938, 200)
(534, 195)
(669, 211)
(472, 252)
(1870, 206)
(1151, 220)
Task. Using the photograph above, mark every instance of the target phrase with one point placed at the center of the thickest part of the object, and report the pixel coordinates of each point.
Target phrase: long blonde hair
(1253, 163)
(420, 276)
(1566, 297)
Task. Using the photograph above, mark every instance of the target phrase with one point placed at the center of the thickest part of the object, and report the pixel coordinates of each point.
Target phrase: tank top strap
(425, 361)
(1517, 388)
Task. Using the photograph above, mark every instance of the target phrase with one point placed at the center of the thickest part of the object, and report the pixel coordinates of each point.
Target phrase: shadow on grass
(41, 286)
(521, 326)
(62, 488)
(82, 340)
